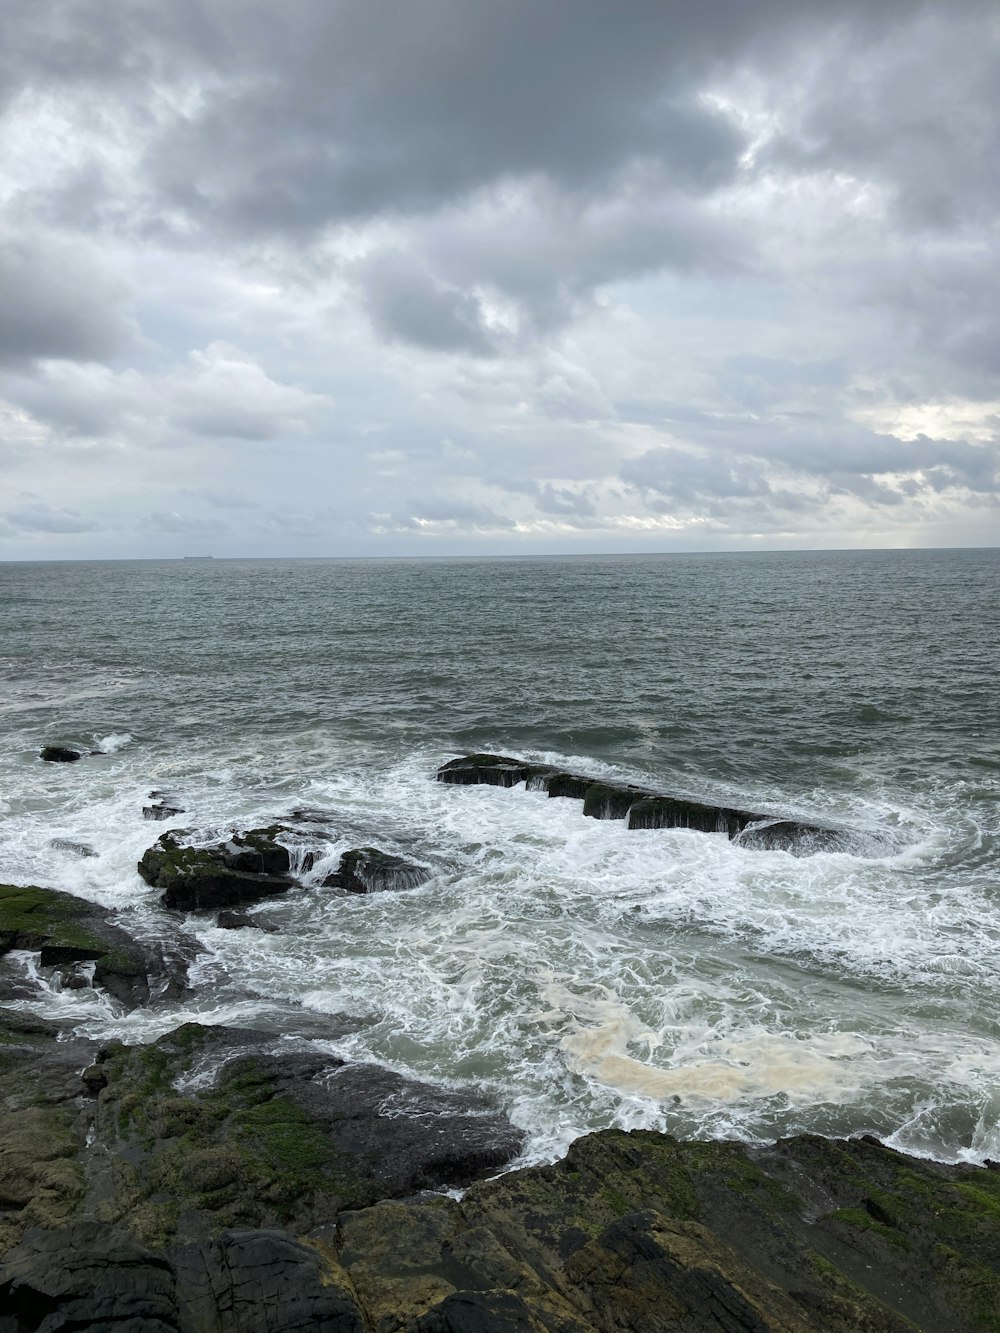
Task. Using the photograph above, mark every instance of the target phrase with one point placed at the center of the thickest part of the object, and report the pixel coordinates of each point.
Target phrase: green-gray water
(584, 974)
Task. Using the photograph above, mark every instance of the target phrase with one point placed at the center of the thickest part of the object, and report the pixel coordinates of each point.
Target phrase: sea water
(580, 974)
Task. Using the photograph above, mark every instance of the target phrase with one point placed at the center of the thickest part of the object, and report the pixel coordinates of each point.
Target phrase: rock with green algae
(245, 869)
(65, 930)
(642, 1232)
(281, 1137)
(236, 1207)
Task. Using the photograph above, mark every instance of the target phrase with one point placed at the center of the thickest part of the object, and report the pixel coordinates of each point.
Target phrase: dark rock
(68, 845)
(257, 852)
(264, 1282)
(668, 812)
(213, 877)
(86, 1276)
(568, 784)
(205, 1193)
(605, 801)
(647, 809)
(73, 979)
(397, 1134)
(290, 1137)
(160, 810)
(58, 754)
(367, 870)
(230, 920)
(479, 1312)
(161, 806)
(495, 770)
(66, 930)
(788, 835)
(94, 1078)
(240, 921)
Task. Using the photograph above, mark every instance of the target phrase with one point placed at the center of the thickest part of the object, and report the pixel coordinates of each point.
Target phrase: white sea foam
(584, 974)
(113, 743)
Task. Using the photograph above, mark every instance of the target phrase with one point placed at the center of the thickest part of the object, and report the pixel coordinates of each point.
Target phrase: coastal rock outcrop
(368, 870)
(496, 770)
(280, 1196)
(162, 806)
(69, 845)
(59, 754)
(249, 867)
(67, 931)
(643, 808)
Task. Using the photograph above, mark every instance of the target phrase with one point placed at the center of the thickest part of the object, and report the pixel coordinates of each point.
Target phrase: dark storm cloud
(431, 252)
(322, 112)
(57, 300)
(407, 302)
(915, 111)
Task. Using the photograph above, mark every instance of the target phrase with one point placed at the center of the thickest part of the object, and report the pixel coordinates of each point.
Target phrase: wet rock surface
(66, 931)
(162, 805)
(642, 808)
(230, 1179)
(206, 1182)
(215, 1180)
(245, 869)
(59, 754)
(368, 870)
(230, 920)
(68, 845)
(496, 770)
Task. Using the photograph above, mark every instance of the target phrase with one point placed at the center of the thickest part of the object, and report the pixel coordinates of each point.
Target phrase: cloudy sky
(338, 277)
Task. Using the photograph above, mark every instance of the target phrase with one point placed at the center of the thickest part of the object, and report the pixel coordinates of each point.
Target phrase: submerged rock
(241, 921)
(161, 807)
(645, 809)
(59, 754)
(68, 845)
(249, 867)
(368, 870)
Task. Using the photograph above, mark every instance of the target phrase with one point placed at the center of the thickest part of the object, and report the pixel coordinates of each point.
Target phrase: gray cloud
(506, 272)
(37, 516)
(407, 302)
(57, 300)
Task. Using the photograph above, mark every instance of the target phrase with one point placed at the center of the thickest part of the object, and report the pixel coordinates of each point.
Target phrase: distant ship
(197, 557)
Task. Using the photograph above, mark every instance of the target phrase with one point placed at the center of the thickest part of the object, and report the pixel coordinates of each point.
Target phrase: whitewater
(581, 974)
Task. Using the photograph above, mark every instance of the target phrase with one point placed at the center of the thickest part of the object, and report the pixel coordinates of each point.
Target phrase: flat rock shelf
(643, 808)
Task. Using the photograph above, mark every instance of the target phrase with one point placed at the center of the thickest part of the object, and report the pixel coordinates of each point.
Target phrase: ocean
(581, 974)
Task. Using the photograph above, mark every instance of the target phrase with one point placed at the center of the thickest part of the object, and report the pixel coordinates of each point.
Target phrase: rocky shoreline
(230, 1180)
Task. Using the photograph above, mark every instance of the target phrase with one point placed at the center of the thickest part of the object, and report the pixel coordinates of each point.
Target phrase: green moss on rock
(34, 918)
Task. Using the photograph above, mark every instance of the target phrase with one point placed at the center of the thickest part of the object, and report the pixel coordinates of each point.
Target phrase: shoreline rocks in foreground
(641, 807)
(226, 1179)
(289, 1192)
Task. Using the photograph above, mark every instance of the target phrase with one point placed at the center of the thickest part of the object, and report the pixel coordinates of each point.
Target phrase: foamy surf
(744, 992)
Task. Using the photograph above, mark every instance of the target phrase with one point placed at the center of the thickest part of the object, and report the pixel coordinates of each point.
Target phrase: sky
(444, 277)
